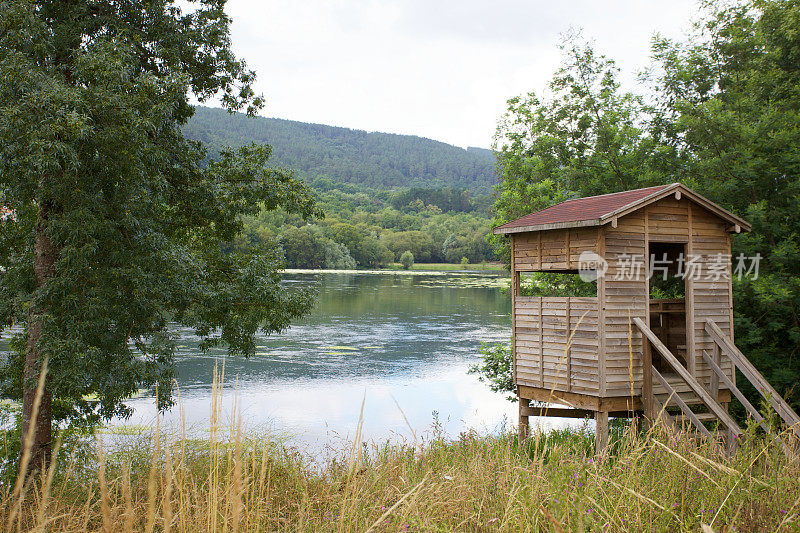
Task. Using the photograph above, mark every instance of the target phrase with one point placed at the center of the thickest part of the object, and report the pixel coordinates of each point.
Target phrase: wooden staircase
(657, 407)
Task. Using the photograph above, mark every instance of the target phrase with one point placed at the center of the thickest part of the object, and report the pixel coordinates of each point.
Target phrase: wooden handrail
(673, 395)
(747, 405)
(754, 376)
(735, 390)
(697, 388)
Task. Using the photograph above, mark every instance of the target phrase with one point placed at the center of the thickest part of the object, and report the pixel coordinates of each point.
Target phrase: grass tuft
(239, 481)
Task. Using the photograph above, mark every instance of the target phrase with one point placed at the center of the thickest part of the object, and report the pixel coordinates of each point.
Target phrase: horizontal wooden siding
(545, 356)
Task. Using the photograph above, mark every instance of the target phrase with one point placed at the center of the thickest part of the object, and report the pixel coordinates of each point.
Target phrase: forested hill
(378, 160)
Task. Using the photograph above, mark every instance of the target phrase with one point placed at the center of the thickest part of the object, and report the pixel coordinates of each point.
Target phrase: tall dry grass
(238, 481)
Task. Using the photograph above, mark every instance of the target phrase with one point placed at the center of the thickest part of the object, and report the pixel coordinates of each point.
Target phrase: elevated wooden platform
(625, 351)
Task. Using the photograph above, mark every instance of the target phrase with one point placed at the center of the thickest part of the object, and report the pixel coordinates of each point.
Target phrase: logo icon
(591, 266)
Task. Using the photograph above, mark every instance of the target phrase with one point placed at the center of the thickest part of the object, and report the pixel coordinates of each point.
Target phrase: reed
(236, 480)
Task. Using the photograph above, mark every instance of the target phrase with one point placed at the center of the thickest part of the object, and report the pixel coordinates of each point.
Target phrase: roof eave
(542, 227)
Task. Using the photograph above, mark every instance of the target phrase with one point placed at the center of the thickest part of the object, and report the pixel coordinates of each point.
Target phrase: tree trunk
(45, 255)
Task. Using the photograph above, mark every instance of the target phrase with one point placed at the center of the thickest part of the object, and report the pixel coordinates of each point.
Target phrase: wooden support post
(524, 426)
(601, 431)
(714, 376)
(569, 346)
(731, 437)
(647, 382)
(515, 291)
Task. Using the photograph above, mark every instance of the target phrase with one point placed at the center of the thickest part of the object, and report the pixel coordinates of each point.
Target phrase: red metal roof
(580, 209)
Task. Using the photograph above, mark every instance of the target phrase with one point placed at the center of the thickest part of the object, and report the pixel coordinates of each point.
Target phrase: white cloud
(432, 68)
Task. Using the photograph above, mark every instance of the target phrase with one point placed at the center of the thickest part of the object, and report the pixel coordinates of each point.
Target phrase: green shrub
(407, 259)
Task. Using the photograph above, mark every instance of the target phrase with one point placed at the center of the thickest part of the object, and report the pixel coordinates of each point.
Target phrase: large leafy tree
(724, 118)
(730, 105)
(120, 223)
(586, 136)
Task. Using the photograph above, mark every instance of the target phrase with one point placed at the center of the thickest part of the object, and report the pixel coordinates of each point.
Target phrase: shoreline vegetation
(238, 480)
(416, 268)
(451, 267)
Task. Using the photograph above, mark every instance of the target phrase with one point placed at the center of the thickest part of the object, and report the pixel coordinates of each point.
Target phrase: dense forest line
(380, 194)
(377, 160)
(370, 228)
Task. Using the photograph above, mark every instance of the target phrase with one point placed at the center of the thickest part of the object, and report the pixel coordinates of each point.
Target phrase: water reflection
(388, 339)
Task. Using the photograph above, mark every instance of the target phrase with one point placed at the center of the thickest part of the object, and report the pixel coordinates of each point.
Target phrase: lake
(400, 342)
(389, 339)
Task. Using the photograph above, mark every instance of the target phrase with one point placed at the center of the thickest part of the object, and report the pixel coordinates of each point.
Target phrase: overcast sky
(437, 69)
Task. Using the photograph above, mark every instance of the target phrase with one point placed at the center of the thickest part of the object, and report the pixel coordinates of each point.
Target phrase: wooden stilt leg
(524, 428)
(647, 385)
(601, 433)
(636, 423)
(732, 442)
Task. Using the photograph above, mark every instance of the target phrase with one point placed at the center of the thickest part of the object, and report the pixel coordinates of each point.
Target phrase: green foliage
(446, 199)
(672, 287)
(379, 194)
(729, 104)
(587, 138)
(337, 256)
(377, 160)
(139, 221)
(723, 119)
(419, 243)
(407, 259)
(429, 233)
(495, 367)
(366, 249)
(308, 247)
(556, 284)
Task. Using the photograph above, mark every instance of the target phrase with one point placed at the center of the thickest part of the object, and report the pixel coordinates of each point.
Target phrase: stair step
(688, 398)
(703, 417)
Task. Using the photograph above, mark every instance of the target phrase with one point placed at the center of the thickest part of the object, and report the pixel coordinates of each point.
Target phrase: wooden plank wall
(625, 298)
(547, 250)
(711, 294)
(542, 329)
(668, 220)
(705, 235)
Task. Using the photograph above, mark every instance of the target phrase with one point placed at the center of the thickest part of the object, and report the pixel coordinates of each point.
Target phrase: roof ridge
(614, 193)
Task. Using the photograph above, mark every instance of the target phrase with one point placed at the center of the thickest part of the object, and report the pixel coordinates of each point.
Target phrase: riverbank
(495, 269)
(451, 267)
(245, 482)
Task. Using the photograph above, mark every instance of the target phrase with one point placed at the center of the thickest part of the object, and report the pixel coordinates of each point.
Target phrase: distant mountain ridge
(378, 160)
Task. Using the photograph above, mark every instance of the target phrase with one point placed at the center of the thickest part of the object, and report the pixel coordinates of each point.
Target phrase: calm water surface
(401, 342)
